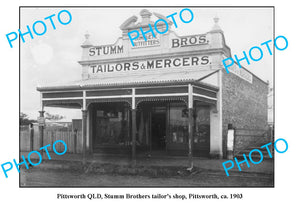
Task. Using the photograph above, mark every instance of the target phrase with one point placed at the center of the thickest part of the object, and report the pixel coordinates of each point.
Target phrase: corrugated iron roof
(133, 79)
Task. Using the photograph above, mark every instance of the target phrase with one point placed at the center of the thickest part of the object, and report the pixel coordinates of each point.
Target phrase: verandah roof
(139, 79)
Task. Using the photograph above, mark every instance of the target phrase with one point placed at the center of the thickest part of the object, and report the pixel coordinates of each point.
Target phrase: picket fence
(74, 143)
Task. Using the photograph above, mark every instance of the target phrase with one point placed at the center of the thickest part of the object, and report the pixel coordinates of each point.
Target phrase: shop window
(111, 126)
(202, 125)
(178, 123)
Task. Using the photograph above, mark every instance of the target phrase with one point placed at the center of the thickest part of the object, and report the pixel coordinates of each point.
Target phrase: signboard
(242, 73)
(151, 41)
(150, 64)
(41, 121)
(187, 41)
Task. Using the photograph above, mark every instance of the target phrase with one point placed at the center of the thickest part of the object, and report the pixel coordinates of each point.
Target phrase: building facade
(168, 95)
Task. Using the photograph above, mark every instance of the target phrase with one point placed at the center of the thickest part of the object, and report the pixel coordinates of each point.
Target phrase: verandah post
(84, 127)
(133, 126)
(190, 126)
(133, 113)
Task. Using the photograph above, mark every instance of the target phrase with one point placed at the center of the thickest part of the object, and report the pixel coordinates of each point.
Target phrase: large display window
(111, 124)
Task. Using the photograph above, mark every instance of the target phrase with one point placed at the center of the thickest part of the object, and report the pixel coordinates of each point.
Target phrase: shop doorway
(158, 128)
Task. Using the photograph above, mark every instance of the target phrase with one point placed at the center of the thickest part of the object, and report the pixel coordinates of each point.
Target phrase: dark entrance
(158, 128)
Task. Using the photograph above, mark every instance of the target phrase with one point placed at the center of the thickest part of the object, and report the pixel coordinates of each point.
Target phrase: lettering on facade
(106, 50)
(242, 73)
(189, 41)
(150, 64)
(151, 42)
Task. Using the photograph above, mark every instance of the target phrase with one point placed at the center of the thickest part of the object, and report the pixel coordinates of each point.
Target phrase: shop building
(169, 95)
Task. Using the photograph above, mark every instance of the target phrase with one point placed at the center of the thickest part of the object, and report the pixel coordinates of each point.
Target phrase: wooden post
(150, 131)
(75, 140)
(147, 127)
(41, 131)
(90, 128)
(133, 127)
(31, 135)
(84, 125)
(52, 138)
(191, 137)
(133, 122)
(190, 126)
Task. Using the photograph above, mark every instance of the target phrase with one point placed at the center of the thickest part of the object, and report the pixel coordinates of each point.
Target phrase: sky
(53, 57)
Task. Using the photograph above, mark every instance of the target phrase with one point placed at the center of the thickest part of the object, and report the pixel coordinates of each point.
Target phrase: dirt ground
(36, 177)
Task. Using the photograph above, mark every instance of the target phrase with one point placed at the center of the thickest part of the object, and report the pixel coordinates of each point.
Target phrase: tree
(53, 117)
(24, 120)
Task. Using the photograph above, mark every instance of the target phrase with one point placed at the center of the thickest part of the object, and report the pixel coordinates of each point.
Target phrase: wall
(244, 106)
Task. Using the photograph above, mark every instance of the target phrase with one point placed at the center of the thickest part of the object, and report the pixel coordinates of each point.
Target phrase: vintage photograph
(142, 97)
